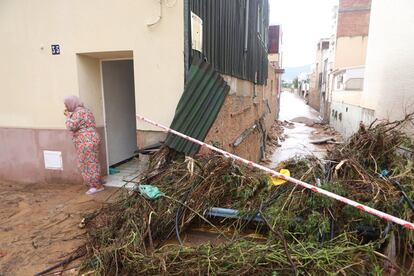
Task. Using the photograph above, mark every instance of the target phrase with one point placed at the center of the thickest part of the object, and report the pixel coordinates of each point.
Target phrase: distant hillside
(293, 72)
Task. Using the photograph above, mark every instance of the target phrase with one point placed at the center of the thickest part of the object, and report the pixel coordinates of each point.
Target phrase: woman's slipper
(94, 190)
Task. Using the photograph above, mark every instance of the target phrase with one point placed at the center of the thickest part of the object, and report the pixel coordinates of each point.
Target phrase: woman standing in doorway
(81, 122)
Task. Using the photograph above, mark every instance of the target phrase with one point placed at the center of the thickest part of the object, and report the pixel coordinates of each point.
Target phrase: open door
(119, 102)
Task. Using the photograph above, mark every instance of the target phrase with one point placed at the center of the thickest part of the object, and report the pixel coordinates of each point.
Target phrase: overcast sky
(303, 22)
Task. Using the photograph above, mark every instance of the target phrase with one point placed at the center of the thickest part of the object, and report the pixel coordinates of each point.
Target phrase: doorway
(119, 107)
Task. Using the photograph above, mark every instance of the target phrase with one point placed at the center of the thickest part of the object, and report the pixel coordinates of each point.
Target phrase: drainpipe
(159, 16)
(187, 39)
(230, 213)
(246, 28)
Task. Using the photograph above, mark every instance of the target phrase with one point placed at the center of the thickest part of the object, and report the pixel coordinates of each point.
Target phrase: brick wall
(354, 3)
(314, 99)
(353, 17)
(240, 111)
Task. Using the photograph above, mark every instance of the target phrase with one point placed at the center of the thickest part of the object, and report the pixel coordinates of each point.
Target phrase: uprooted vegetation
(306, 233)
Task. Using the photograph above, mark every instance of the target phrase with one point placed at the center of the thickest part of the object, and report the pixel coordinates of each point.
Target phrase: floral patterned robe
(86, 139)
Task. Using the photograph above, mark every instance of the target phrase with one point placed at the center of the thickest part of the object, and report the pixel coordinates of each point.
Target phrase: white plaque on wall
(53, 160)
(196, 32)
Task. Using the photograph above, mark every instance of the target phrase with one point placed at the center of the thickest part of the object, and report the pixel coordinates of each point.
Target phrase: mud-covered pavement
(39, 224)
(301, 126)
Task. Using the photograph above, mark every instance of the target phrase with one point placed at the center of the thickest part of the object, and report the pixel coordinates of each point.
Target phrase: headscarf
(72, 103)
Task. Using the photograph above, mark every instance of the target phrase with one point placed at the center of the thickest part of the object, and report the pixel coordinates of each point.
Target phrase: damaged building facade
(123, 58)
(238, 49)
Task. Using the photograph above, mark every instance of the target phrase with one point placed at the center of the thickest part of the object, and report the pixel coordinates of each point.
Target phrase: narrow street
(301, 126)
(40, 224)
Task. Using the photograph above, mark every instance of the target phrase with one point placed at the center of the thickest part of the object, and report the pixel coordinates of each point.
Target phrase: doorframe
(103, 103)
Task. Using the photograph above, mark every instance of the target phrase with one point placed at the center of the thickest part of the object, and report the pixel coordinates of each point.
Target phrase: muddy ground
(298, 127)
(39, 224)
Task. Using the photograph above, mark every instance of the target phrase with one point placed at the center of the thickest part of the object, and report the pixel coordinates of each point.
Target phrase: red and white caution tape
(273, 173)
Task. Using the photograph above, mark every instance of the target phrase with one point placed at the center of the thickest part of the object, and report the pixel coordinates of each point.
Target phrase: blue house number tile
(55, 49)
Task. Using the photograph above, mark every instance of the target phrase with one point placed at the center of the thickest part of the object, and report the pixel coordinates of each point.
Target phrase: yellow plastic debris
(276, 181)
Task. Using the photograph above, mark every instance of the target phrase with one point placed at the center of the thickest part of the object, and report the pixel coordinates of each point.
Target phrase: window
(262, 31)
(354, 84)
(325, 70)
(324, 75)
(320, 80)
(339, 81)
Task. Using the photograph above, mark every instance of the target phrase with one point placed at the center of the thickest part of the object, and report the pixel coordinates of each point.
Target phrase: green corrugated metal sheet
(198, 107)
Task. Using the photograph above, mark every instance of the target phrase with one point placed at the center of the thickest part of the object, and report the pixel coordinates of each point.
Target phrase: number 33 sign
(55, 49)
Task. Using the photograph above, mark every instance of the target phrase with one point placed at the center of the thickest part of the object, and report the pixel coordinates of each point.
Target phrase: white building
(349, 47)
(383, 87)
(389, 74)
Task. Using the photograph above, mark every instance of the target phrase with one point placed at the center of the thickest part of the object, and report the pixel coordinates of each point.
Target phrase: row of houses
(363, 71)
(205, 62)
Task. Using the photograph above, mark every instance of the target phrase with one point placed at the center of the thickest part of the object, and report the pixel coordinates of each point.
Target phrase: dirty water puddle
(298, 130)
(297, 142)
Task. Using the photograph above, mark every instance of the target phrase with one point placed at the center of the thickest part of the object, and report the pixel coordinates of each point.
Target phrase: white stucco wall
(347, 97)
(350, 51)
(346, 118)
(389, 74)
(90, 86)
(33, 82)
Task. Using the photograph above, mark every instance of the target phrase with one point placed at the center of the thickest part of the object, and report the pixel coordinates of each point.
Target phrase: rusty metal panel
(274, 39)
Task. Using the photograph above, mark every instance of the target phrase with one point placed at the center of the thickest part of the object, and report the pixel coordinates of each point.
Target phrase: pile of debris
(306, 233)
(274, 138)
